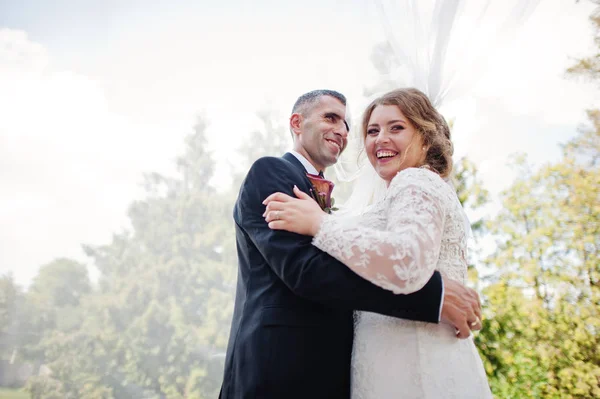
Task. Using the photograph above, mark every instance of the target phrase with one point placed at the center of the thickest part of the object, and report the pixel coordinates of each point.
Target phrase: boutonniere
(321, 192)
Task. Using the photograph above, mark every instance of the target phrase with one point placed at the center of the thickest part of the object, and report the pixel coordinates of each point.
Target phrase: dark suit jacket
(292, 329)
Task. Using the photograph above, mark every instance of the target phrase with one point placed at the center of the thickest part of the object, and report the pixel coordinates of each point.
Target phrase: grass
(8, 393)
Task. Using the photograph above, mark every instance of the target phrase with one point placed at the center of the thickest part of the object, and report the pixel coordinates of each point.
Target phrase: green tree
(589, 67)
(470, 189)
(52, 302)
(157, 324)
(55, 295)
(540, 337)
(9, 328)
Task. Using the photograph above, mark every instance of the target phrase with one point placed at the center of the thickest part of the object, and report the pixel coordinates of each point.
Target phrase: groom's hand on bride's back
(461, 308)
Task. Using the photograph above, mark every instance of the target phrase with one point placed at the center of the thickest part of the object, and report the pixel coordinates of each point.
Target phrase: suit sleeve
(310, 272)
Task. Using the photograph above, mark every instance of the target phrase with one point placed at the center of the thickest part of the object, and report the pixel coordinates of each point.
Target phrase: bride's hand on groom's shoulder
(461, 308)
(301, 215)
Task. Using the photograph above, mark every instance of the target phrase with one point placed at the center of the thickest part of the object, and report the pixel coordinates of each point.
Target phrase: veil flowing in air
(441, 47)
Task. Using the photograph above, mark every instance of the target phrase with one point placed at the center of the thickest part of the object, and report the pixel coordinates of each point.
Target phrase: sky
(94, 94)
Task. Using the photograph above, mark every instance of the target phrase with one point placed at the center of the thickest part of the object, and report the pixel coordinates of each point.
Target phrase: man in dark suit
(292, 329)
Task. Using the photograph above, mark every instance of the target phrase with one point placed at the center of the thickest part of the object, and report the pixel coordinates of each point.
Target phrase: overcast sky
(93, 94)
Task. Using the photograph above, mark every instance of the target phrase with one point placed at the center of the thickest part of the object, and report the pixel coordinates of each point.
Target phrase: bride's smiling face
(392, 143)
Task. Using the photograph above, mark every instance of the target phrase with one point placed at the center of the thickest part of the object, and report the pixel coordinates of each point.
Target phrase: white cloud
(69, 165)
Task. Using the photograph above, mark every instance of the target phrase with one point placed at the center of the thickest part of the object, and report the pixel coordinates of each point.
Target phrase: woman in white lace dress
(397, 244)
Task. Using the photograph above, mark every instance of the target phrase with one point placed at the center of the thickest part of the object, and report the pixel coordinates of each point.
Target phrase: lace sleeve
(403, 257)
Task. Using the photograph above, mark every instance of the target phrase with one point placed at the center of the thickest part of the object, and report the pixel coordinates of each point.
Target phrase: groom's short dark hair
(307, 99)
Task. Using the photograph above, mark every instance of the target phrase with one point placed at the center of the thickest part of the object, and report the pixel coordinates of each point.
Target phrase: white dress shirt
(307, 165)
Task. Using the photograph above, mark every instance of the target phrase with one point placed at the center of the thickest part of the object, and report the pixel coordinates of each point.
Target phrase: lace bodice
(399, 242)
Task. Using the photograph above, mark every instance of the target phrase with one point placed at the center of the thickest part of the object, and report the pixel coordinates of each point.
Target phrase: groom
(292, 329)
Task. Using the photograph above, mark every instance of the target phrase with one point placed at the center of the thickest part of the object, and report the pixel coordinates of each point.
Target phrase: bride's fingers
(274, 206)
(274, 215)
(281, 197)
(301, 194)
(277, 225)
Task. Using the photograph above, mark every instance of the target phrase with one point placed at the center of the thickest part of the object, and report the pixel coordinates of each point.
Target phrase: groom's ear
(295, 124)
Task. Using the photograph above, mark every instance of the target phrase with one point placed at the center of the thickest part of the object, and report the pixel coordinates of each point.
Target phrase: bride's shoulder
(419, 183)
(422, 177)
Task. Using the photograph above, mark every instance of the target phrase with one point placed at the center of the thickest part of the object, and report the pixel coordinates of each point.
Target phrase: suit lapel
(298, 166)
(294, 161)
(310, 189)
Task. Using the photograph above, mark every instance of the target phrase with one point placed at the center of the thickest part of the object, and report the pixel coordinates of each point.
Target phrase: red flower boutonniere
(321, 192)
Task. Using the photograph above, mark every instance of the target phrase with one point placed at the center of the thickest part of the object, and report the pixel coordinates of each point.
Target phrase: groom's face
(322, 132)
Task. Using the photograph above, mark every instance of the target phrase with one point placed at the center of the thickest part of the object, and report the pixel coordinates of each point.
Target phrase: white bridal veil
(441, 47)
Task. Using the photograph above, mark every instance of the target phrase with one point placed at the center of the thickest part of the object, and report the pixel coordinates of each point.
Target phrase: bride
(397, 244)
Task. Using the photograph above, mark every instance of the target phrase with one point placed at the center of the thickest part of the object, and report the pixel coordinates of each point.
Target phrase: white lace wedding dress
(397, 244)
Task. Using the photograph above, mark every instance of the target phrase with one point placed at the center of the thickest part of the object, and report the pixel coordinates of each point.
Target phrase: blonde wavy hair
(427, 121)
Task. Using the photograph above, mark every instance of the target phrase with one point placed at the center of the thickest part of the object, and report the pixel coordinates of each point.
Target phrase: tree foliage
(156, 324)
(543, 304)
(589, 67)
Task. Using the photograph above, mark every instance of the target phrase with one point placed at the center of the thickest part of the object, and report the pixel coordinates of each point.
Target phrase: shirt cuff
(441, 303)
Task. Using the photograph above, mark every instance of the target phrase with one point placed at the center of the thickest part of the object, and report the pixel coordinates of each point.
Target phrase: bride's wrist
(316, 226)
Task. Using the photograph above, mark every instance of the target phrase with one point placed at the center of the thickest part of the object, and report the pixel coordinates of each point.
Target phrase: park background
(126, 128)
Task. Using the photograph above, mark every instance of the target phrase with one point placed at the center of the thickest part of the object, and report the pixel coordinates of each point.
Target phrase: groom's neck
(302, 151)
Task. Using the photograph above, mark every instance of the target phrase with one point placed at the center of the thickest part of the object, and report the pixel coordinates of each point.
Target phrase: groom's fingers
(463, 331)
(473, 322)
(476, 303)
(461, 307)
(478, 308)
(475, 325)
